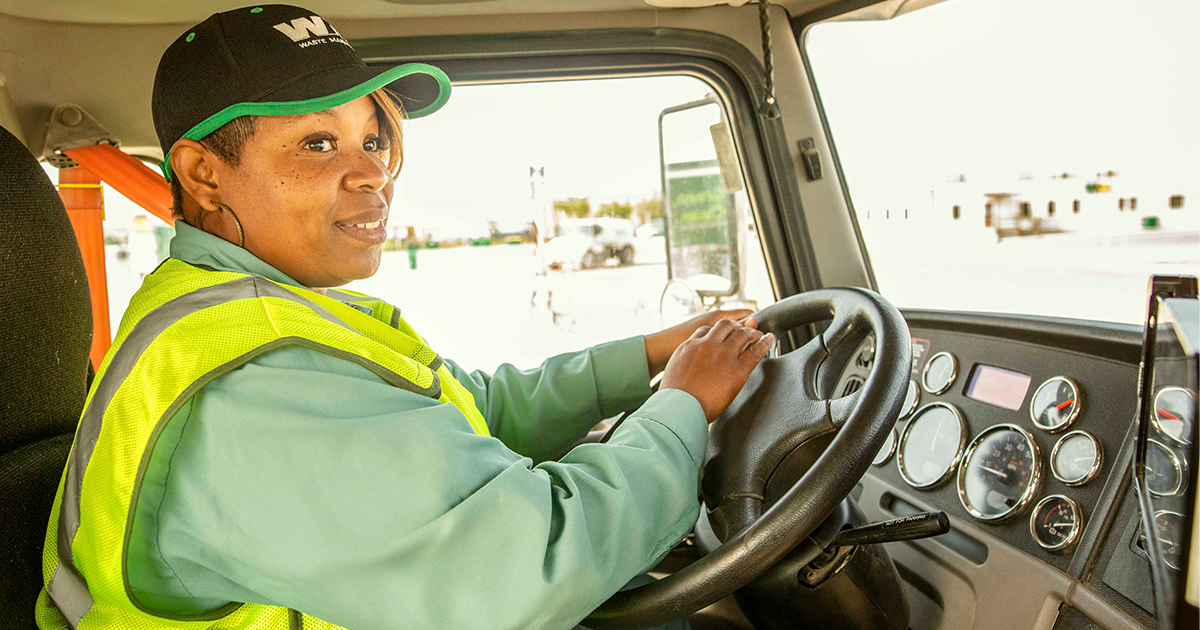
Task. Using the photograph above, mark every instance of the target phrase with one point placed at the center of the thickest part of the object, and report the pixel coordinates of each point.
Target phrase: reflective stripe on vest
(184, 328)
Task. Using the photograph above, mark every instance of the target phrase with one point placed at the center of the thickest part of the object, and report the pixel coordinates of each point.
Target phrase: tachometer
(1056, 404)
(1175, 413)
(931, 445)
(1056, 522)
(1001, 473)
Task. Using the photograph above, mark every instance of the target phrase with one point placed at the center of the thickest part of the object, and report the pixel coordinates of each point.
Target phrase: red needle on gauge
(1066, 404)
(1167, 414)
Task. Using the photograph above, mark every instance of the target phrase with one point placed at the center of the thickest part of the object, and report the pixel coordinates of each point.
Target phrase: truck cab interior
(981, 413)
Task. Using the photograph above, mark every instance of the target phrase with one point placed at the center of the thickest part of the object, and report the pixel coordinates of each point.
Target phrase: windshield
(1018, 155)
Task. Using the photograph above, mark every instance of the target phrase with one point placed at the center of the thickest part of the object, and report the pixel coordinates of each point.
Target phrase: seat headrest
(45, 308)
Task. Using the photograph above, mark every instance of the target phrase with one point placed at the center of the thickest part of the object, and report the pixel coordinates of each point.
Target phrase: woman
(256, 436)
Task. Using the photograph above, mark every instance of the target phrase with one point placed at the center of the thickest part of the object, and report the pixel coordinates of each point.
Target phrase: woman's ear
(192, 165)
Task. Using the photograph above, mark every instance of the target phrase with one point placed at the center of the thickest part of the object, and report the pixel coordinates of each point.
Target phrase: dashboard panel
(1037, 486)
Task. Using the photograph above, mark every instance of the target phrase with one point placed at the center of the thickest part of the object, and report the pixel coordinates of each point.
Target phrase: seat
(45, 334)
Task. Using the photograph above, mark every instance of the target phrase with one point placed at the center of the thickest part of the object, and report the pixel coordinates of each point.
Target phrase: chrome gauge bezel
(1075, 531)
(907, 412)
(1154, 416)
(958, 454)
(1035, 480)
(1074, 412)
(891, 440)
(1096, 465)
(953, 373)
(1181, 521)
(1180, 469)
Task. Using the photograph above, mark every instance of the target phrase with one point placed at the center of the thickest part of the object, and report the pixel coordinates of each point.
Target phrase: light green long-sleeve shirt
(305, 481)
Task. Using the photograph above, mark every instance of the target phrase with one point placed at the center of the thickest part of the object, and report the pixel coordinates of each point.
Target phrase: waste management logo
(310, 31)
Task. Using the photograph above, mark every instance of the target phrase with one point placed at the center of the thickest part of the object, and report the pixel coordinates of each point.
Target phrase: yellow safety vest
(185, 327)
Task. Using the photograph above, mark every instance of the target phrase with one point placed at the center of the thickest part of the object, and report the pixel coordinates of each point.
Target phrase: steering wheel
(778, 410)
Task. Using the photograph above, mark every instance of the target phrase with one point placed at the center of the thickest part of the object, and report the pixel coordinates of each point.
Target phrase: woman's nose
(367, 173)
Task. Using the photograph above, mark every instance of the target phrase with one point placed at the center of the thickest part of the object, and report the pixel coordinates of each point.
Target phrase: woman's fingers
(722, 329)
(759, 349)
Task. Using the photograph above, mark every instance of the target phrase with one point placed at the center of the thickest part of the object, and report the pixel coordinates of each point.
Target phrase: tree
(577, 207)
(616, 209)
(649, 209)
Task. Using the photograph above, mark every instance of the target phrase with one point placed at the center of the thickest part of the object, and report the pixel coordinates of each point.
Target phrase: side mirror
(703, 214)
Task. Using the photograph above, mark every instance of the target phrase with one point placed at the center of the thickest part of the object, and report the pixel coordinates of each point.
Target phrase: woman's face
(312, 192)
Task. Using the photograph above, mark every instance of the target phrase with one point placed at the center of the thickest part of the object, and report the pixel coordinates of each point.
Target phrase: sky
(997, 88)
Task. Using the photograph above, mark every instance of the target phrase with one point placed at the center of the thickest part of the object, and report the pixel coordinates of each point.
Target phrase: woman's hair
(228, 140)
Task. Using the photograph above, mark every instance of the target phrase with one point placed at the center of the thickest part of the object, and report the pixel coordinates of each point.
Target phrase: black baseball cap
(270, 60)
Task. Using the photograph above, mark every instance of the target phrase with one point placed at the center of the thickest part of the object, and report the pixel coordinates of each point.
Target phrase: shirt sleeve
(541, 412)
(304, 481)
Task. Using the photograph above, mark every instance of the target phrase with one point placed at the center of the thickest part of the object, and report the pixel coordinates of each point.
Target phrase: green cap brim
(321, 103)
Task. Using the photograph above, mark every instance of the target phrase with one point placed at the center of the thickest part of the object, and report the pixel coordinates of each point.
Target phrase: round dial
(911, 399)
(1169, 526)
(1056, 404)
(885, 452)
(1175, 413)
(1077, 458)
(1001, 473)
(931, 445)
(1056, 522)
(939, 373)
(1164, 471)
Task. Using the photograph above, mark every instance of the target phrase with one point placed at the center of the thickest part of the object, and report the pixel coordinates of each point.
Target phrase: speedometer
(1001, 473)
(931, 445)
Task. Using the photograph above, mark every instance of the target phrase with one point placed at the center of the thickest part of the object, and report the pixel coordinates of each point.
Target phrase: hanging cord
(769, 108)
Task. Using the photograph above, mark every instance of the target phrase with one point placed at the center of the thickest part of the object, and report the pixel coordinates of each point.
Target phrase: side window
(529, 219)
(988, 119)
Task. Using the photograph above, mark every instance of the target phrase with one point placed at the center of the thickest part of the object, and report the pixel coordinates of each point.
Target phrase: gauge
(1164, 470)
(1175, 413)
(1077, 458)
(939, 373)
(911, 399)
(1001, 473)
(1169, 526)
(1056, 404)
(885, 452)
(1056, 522)
(931, 445)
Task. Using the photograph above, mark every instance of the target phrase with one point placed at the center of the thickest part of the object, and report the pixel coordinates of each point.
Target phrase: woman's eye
(374, 145)
(320, 145)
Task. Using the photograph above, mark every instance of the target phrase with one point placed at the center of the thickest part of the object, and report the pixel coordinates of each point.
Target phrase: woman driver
(261, 451)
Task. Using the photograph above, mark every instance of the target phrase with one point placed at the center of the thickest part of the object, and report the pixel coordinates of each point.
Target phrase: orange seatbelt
(83, 197)
(129, 176)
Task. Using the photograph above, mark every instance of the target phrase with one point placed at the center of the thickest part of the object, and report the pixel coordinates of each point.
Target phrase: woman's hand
(662, 344)
(714, 363)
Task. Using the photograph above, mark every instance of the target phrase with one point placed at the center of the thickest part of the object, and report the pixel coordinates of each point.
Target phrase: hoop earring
(241, 234)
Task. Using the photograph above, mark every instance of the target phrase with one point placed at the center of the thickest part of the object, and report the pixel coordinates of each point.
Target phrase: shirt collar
(197, 247)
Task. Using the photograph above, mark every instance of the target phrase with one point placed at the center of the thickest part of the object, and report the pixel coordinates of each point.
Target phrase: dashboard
(1021, 431)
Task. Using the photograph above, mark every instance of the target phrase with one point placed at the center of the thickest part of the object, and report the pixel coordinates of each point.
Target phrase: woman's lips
(373, 233)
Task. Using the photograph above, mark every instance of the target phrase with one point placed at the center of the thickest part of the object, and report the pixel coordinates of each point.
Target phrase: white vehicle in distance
(589, 243)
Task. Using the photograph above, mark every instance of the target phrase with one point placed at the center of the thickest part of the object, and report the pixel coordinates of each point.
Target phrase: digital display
(998, 386)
